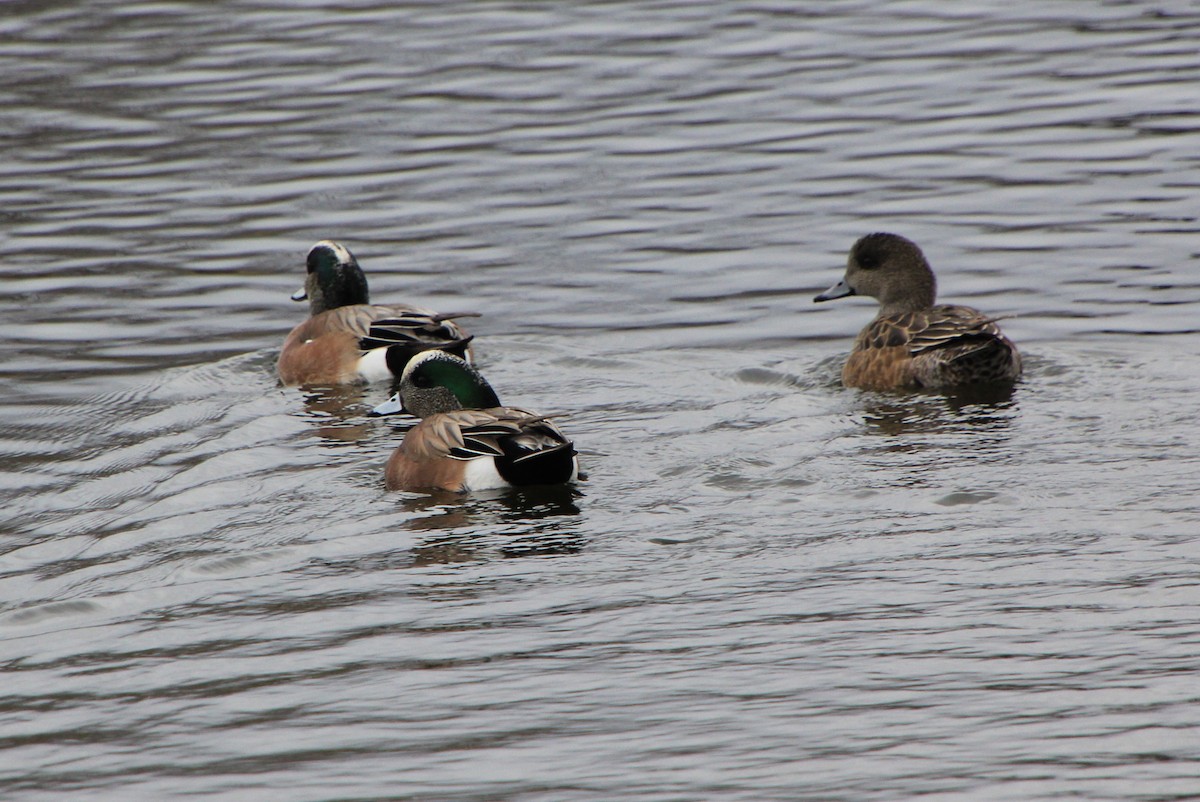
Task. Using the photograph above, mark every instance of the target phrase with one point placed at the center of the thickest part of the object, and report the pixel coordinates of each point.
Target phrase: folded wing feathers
(544, 451)
(476, 449)
(472, 433)
(392, 331)
(958, 327)
(443, 317)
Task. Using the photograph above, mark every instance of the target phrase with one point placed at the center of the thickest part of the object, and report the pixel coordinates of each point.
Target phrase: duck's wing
(384, 326)
(959, 328)
(466, 434)
(937, 347)
(462, 434)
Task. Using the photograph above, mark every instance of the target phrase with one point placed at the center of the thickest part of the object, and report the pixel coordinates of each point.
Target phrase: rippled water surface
(770, 587)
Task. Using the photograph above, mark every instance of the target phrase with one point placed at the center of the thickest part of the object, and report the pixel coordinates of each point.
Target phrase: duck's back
(361, 319)
(327, 347)
(474, 449)
(943, 346)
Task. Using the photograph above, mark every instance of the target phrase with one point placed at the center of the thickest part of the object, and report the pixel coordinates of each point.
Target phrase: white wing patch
(372, 365)
(482, 475)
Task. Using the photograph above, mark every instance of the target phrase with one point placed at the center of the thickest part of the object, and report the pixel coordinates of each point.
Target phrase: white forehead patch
(424, 356)
(340, 252)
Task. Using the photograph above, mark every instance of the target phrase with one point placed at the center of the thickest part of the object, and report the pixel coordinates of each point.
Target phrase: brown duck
(913, 343)
(466, 440)
(348, 339)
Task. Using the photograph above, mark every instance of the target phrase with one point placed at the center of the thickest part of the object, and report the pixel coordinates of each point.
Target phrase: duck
(346, 338)
(466, 440)
(914, 343)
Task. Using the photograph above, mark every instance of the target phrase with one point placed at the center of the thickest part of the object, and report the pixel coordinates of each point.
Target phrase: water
(770, 588)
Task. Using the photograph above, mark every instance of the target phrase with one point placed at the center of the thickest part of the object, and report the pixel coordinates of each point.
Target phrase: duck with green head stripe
(347, 338)
(466, 440)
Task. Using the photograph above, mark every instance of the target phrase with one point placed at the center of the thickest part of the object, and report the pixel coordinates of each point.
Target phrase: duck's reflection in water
(339, 412)
(513, 523)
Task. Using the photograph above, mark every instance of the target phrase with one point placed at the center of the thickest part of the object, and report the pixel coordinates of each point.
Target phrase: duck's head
(334, 278)
(436, 381)
(890, 269)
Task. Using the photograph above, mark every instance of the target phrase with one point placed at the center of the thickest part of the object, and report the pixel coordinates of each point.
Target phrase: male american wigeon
(466, 440)
(912, 343)
(347, 338)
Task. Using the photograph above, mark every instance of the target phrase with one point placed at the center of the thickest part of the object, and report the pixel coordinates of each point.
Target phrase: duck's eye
(868, 260)
(421, 380)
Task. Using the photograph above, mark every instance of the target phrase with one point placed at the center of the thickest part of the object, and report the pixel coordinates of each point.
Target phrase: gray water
(770, 587)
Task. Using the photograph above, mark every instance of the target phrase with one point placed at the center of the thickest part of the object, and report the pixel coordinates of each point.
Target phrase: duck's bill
(393, 406)
(300, 295)
(839, 290)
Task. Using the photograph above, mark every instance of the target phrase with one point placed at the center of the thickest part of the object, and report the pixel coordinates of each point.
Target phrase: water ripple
(770, 587)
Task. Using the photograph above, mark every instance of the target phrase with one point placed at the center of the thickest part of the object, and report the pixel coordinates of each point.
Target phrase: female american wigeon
(346, 338)
(912, 343)
(466, 440)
